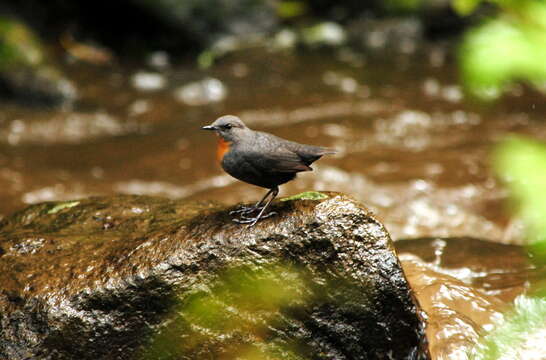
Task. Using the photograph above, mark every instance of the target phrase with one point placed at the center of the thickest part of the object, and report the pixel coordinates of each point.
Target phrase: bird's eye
(227, 126)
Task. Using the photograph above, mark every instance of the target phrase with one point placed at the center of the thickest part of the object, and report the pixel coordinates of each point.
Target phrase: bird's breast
(223, 149)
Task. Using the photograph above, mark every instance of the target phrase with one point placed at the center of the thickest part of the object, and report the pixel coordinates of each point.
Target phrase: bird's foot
(246, 210)
(253, 220)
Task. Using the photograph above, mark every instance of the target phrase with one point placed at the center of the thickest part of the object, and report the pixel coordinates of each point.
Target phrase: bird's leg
(252, 221)
(245, 218)
(243, 210)
(248, 209)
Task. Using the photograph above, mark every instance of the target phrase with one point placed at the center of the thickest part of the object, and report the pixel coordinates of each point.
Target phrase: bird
(260, 159)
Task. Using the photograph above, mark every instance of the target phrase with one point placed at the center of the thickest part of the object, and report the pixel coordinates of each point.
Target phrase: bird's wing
(271, 154)
(280, 155)
(280, 160)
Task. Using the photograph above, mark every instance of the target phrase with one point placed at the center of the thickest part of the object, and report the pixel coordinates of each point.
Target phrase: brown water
(411, 147)
(465, 286)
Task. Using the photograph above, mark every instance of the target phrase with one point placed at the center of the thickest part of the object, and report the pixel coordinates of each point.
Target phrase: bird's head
(229, 127)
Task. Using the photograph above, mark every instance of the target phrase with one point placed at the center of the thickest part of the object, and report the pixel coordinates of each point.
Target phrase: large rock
(129, 276)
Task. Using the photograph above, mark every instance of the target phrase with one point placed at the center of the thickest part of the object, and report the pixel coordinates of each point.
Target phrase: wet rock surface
(100, 278)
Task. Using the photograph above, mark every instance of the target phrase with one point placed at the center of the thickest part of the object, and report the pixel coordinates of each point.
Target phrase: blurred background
(108, 97)
(416, 95)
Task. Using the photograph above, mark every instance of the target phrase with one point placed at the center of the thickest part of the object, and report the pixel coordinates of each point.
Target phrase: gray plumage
(261, 159)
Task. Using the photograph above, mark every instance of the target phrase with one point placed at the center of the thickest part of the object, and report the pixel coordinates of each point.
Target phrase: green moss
(64, 205)
(308, 195)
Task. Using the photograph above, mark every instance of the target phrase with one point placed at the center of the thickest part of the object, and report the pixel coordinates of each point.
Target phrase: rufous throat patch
(223, 148)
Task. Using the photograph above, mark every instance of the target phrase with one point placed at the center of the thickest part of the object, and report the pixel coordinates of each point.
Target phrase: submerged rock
(138, 277)
(25, 73)
(207, 19)
(203, 92)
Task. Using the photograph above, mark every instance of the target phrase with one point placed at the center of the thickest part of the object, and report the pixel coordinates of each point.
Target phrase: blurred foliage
(324, 34)
(465, 7)
(18, 44)
(26, 73)
(290, 9)
(521, 163)
(520, 335)
(233, 315)
(404, 5)
(507, 47)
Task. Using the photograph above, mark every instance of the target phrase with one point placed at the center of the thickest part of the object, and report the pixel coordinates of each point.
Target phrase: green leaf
(517, 336)
(289, 9)
(205, 59)
(19, 45)
(465, 7)
(501, 51)
(404, 6)
(521, 163)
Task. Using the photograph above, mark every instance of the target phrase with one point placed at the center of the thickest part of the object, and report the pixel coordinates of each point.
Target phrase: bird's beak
(208, 127)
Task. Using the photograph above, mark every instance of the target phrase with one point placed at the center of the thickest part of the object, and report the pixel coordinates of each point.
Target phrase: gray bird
(260, 159)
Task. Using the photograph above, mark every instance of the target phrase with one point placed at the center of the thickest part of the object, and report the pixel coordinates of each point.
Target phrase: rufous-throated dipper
(260, 159)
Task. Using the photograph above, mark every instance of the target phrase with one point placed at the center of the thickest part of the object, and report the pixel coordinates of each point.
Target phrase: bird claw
(251, 221)
(246, 210)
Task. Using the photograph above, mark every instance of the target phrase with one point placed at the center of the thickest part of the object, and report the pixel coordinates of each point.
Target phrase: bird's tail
(327, 151)
(309, 154)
